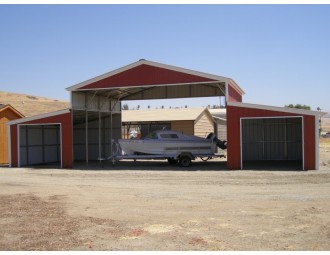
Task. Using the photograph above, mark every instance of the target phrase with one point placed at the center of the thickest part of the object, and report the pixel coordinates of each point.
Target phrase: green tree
(125, 107)
(299, 106)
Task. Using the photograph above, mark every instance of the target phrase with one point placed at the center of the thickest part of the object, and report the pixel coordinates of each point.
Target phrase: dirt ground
(165, 208)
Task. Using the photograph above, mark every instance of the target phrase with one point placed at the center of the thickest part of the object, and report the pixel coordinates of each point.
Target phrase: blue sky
(278, 54)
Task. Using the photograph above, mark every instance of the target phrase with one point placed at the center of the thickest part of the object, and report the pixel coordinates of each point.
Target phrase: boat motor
(221, 144)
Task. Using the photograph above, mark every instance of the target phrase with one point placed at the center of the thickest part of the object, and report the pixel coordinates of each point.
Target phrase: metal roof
(163, 114)
(151, 80)
(276, 108)
(220, 112)
(37, 117)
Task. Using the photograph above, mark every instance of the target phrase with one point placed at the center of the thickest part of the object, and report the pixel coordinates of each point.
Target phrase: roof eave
(103, 76)
(277, 108)
(39, 116)
(237, 87)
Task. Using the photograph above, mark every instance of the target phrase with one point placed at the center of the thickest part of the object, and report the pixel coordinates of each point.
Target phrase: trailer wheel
(185, 161)
(172, 161)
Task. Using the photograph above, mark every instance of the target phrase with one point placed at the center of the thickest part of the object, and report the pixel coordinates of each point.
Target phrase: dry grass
(32, 105)
(30, 223)
(34, 223)
(164, 210)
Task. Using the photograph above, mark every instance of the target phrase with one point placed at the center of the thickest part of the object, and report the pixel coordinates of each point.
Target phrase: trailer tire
(185, 161)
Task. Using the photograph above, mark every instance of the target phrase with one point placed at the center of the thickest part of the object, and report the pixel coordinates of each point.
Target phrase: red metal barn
(96, 103)
(42, 139)
(85, 131)
(274, 136)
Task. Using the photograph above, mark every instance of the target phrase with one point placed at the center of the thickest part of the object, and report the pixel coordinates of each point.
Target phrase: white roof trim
(276, 108)
(236, 87)
(146, 62)
(103, 76)
(36, 117)
(218, 118)
(187, 71)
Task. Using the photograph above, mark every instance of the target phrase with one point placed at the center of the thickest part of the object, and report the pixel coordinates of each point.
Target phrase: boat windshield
(155, 135)
(169, 136)
(152, 135)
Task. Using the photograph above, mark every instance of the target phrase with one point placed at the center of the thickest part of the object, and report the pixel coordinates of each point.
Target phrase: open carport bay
(164, 208)
(272, 143)
(40, 144)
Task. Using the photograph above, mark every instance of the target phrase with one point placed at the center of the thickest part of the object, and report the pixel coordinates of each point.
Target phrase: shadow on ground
(151, 165)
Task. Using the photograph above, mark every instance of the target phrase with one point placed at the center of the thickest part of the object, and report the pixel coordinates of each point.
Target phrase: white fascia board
(236, 87)
(9, 145)
(103, 76)
(151, 63)
(36, 117)
(71, 100)
(188, 71)
(317, 143)
(276, 108)
(226, 90)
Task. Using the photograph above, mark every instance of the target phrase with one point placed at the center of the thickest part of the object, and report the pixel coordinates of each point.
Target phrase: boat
(169, 143)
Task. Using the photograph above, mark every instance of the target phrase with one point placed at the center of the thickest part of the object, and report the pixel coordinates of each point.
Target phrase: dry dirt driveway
(132, 209)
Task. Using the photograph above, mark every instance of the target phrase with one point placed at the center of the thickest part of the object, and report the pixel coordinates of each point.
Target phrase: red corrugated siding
(66, 124)
(309, 141)
(146, 75)
(233, 95)
(13, 144)
(233, 134)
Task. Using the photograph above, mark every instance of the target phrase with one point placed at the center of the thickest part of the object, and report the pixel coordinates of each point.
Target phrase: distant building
(7, 113)
(192, 121)
(220, 119)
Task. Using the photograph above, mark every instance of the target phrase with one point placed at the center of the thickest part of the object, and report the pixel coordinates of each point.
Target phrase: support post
(100, 123)
(27, 146)
(86, 134)
(226, 94)
(43, 143)
(111, 133)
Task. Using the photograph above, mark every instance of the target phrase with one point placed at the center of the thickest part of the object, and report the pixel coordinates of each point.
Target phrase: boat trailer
(184, 158)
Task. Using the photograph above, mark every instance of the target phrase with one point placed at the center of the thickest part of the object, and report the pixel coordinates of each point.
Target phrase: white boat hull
(166, 147)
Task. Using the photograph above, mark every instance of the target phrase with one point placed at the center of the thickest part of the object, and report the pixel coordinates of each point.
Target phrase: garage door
(272, 139)
(39, 144)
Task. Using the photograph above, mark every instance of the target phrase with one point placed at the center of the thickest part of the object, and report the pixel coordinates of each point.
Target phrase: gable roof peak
(141, 62)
